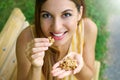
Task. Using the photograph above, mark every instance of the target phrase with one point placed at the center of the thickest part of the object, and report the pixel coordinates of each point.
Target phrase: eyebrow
(67, 10)
(44, 11)
(62, 11)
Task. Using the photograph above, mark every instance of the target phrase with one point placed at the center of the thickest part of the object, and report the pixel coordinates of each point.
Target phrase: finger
(41, 40)
(58, 72)
(77, 70)
(41, 49)
(37, 48)
(56, 65)
(66, 73)
(80, 64)
(79, 59)
(55, 70)
(42, 44)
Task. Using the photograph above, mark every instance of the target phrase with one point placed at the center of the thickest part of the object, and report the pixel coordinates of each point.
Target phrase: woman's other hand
(61, 73)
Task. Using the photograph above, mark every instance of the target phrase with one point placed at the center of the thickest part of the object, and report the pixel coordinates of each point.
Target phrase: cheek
(73, 25)
(44, 25)
(44, 28)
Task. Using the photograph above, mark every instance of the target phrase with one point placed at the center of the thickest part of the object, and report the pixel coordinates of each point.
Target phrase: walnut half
(51, 40)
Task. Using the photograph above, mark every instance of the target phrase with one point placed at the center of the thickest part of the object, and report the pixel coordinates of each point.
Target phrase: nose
(57, 24)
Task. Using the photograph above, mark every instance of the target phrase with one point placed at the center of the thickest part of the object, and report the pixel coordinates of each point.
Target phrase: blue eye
(46, 15)
(67, 15)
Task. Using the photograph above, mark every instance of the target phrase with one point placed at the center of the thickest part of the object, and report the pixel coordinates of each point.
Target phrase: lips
(58, 36)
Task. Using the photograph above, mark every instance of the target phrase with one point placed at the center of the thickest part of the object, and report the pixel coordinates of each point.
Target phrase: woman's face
(59, 19)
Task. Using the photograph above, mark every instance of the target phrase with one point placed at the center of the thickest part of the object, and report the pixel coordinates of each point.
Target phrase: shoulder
(90, 32)
(90, 28)
(22, 40)
(25, 35)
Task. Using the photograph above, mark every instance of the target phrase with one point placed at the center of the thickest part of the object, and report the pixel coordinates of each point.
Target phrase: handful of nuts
(68, 64)
(51, 40)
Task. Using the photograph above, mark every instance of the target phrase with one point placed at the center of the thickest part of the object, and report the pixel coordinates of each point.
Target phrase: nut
(68, 64)
(51, 40)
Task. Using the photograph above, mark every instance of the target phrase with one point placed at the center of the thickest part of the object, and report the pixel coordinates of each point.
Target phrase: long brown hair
(52, 54)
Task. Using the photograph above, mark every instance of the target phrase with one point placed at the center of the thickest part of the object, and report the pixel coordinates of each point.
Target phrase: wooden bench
(15, 24)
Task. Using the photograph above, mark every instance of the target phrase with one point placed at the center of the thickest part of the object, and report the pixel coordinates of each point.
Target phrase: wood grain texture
(14, 25)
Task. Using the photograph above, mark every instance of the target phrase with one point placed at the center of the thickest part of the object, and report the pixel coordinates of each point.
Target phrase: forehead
(52, 5)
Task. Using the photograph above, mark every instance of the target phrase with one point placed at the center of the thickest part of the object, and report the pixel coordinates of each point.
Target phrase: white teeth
(58, 34)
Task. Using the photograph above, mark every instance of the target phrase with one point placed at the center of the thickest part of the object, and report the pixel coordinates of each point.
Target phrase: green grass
(96, 10)
(6, 6)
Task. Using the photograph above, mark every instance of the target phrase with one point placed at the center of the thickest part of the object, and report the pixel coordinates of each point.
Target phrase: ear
(80, 13)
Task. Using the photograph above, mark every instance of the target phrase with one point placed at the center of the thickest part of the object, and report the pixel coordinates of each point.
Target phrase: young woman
(74, 36)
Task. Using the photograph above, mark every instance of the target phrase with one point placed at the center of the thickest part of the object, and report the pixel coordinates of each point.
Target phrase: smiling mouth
(58, 36)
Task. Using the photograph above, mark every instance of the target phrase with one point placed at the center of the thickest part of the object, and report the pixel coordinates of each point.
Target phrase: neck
(63, 50)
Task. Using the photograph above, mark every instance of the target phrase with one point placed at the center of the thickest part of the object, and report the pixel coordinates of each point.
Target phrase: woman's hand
(61, 73)
(35, 51)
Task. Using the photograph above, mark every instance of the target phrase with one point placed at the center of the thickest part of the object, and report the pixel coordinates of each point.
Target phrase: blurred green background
(97, 10)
